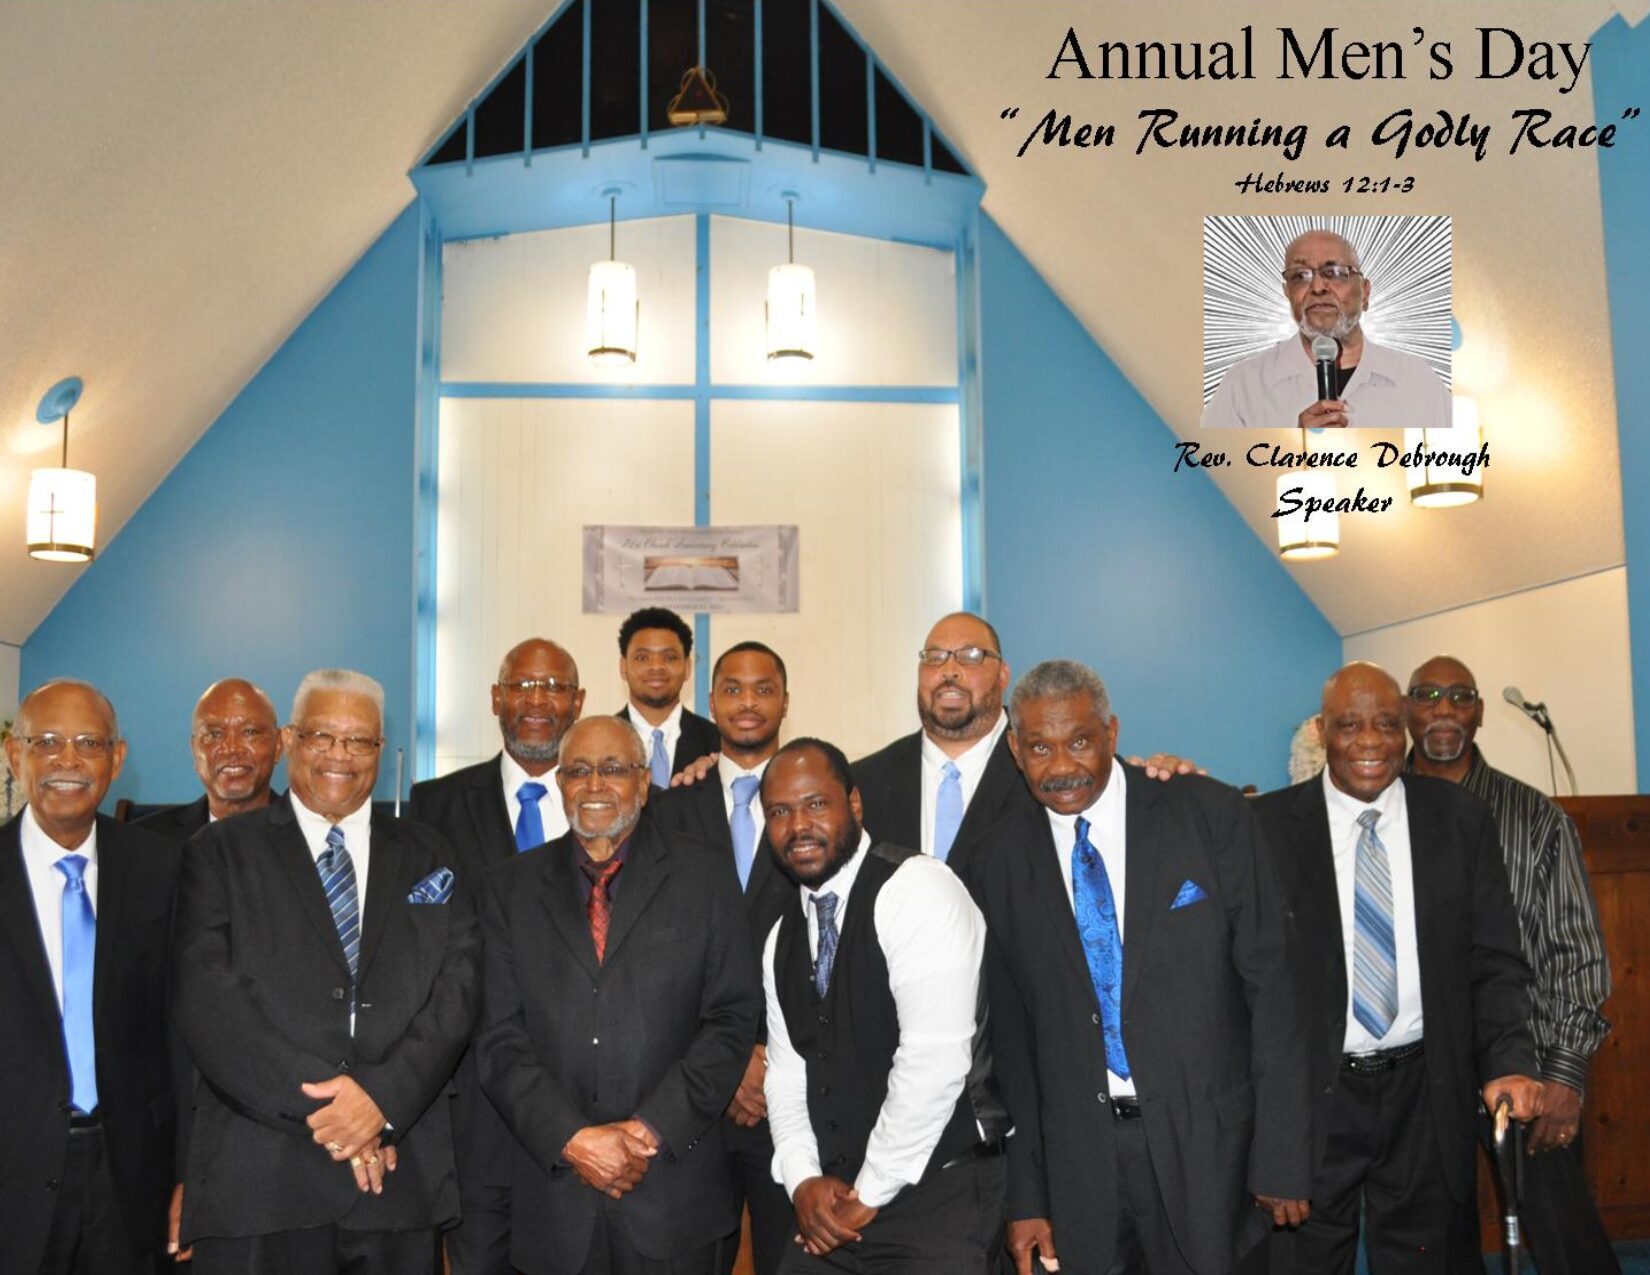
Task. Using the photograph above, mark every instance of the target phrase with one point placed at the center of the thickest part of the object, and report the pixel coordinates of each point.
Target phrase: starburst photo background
(1406, 260)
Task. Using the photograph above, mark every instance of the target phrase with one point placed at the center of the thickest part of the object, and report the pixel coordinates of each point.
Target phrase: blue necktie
(948, 811)
(1374, 945)
(825, 910)
(1102, 944)
(743, 826)
(79, 951)
(337, 871)
(658, 761)
(529, 827)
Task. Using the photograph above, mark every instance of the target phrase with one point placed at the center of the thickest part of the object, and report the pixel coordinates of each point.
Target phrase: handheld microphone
(1515, 697)
(1326, 353)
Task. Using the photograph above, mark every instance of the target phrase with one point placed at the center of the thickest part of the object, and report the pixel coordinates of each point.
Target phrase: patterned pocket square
(1190, 893)
(435, 888)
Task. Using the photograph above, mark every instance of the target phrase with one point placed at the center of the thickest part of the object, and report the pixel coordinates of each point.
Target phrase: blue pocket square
(435, 888)
(1190, 893)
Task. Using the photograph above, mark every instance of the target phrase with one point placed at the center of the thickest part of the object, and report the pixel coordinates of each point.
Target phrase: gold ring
(355, 1162)
(335, 1147)
(372, 1159)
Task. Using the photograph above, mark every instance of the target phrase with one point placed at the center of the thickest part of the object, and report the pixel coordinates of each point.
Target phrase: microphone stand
(1544, 719)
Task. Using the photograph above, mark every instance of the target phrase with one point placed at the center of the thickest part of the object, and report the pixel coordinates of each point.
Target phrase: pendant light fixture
(1439, 485)
(62, 509)
(613, 310)
(1298, 539)
(790, 308)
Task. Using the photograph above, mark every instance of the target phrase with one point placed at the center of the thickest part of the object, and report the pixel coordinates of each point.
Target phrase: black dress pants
(773, 1222)
(321, 1250)
(88, 1234)
(480, 1243)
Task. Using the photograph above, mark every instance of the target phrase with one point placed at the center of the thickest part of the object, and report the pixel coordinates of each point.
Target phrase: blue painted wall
(1095, 551)
(1620, 56)
(282, 541)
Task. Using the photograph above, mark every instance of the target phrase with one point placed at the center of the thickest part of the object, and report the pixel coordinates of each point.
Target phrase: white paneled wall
(514, 307)
(519, 479)
(874, 490)
(887, 311)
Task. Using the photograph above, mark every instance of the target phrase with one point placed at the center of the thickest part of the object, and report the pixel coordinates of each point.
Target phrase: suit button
(337, 993)
(343, 1065)
(1095, 1019)
(52, 1184)
(1329, 1088)
(820, 1055)
(595, 1040)
(831, 1125)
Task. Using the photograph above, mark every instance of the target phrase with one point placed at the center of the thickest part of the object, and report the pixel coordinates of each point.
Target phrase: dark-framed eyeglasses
(612, 771)
(323, 741)
(1334, 272)
(1460, 696)
(552, 686)
(967, 656)
(51, 745)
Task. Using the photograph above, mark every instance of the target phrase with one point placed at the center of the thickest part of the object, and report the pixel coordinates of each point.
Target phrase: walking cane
(1509, 1168)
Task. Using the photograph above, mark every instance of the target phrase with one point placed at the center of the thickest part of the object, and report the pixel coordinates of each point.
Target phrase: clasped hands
(749, 1107)
(351, 1128)
(613, 1158)
(829, 1214)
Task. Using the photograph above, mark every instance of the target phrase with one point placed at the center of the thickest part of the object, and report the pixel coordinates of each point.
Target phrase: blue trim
(584, 86)
(757, 45)
(527, 112)
(770, 393)
(971, 419)
(426, 499)
(701, 430)
(871, 109)
(813, 71)
(643, 43)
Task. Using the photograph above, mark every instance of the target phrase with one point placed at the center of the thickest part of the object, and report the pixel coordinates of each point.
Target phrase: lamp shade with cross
(62, 505)
(613, 310)
(790, 309)
(1450, 472)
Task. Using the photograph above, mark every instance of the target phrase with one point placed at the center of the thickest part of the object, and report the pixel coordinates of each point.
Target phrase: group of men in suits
(1204, 1019)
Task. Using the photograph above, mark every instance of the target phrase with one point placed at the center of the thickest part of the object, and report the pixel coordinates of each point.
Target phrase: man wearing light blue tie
(85, 1064)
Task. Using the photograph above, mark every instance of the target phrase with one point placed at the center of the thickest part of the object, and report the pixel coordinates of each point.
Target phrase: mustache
(1066, 783)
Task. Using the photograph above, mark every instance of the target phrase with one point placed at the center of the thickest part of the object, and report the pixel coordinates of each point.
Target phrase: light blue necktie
(1374, 945)
(825, 911)
(337, 871)
(1102, 943)
(743, 826)
(659, 762)
(529, 827)
(79, 952)
(948, 811)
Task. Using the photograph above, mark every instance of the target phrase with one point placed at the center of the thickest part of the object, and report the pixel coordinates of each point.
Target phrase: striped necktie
(1374, 946)
(337, 871)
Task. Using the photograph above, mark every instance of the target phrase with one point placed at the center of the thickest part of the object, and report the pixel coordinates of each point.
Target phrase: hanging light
(62, 509)
(1438, 484)
(790, 307)
(1298, 539)
(613, 310)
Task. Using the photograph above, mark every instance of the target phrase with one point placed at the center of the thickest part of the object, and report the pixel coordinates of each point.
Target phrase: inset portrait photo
(1326, 322)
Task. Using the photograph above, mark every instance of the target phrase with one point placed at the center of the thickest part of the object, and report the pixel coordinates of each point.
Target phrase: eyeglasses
(967, 656)
(611, 771)
(1334, 272)
(549, 685)
(321, 741)
(52, 745)
(1460, 696)
(245, 734)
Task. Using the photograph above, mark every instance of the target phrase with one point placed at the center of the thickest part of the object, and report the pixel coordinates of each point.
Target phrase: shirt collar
(727, 770)
(669, 725)
(1100, 810)
(40, 850)
(581, 856)
(1288, 359)
(842, 884)
(977, 754)
(357, 825)
(515, 775)
(1390, 803)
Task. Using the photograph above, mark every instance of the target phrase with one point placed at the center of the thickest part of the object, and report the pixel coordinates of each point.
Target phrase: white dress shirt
(357, 827)
(970, 765)
(552, 814)
(1393, 830)
(40, 856)
(727, 770)
(672, 727)
(1108, 827)
(1388, 390)
(933, 938)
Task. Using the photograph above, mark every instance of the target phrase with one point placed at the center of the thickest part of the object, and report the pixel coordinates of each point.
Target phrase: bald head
(235, 743)
(1363, 729)
(536, 698)
(1313, 247)
(604, 736)
(1443, 711)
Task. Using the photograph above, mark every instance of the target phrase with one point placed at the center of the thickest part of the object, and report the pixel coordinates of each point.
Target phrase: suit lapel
(904, 800)
(1426, 890)
(560, 894)
(1047, 879)
(1316, 865)
(386, 887)
(491, 817)
(713, 811)
(113, 878)
(996, 787)
(646, 865)
(1143, 900)
(22, 925)
(287, 844)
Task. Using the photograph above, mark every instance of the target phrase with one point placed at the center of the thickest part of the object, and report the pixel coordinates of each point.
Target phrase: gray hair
(81, 684)
(338, 679)
(1058, 679)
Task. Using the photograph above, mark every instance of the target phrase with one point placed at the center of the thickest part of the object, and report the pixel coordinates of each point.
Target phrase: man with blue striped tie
(1414, 980)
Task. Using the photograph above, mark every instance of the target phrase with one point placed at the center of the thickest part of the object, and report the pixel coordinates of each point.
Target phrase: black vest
(847, 1041)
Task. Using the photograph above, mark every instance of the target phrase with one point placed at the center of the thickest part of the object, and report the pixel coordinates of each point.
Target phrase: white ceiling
(182, 182)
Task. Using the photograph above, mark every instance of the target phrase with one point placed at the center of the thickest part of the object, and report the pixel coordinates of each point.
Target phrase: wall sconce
(62, 509)
(1439, 486)
(613, 311)
(790, 306)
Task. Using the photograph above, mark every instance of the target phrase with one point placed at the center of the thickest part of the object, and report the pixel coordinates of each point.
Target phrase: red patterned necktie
(599, 909)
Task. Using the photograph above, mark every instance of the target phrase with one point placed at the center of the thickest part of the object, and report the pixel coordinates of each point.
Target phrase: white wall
(9, 689)
(1564, 645)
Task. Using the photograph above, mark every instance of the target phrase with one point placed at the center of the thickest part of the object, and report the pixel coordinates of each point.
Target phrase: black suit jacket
(137, 877)
(1474, 982)
(177, 823)
(661, 1030)
(699, 737)
(468, 808)
(1210, 1021)
(890, 785)
(262, 997)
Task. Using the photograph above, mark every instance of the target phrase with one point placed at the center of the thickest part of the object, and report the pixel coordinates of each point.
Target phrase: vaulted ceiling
(183, 182)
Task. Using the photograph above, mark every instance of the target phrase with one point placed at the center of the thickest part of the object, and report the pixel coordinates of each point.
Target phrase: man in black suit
(748, 699)
(236, 744)
(86, 910)
(490, 812)
(325, 982)
(1145, 1023)
(1416, 994)
(621, 1004)
(655, 645)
